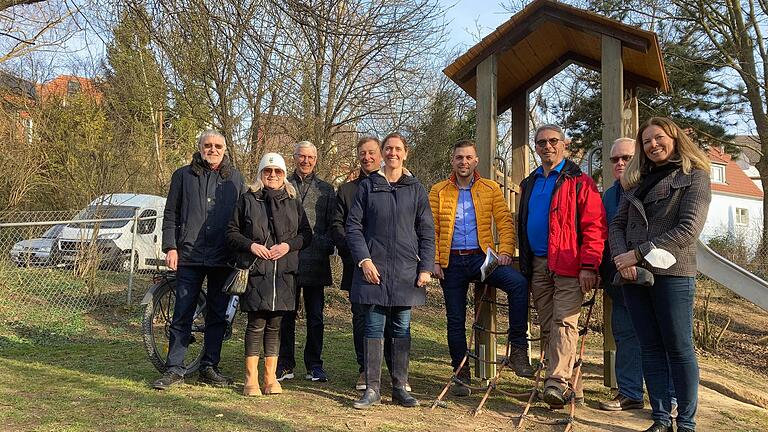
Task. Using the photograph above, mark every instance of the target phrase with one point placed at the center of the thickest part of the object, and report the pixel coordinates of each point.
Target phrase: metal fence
(62, 263)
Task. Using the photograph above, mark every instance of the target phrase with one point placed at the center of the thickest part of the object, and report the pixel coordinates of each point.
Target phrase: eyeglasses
(543, 142)
(270, 171)
(209, 146)
(625, 158)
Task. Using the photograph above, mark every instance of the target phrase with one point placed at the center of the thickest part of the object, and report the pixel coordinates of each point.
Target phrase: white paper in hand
(660, 258)
(489, 265)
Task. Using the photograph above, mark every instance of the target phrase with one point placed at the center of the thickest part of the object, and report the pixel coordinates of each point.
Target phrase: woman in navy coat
(391, 235)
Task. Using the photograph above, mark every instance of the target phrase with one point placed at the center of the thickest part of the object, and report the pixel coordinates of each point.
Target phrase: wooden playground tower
(521, 54)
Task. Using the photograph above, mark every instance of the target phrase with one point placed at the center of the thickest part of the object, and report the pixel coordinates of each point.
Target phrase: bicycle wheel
(157, 323)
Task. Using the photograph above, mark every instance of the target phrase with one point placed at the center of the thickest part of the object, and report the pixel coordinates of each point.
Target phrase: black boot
(659, 427)
(401, 353)
(374, 351)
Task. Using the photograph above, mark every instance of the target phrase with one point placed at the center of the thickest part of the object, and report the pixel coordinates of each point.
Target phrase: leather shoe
(684, 429)
(518, 361)
(464, 377)
(621, 403)
(168, 380)
(659, 427)
(211, 376)
(579, 402)
(553, 396)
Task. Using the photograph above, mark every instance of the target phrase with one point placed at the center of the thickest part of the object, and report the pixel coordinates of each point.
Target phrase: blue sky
(465, 15)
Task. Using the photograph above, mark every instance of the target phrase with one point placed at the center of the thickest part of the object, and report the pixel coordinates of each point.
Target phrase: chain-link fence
(62, 262)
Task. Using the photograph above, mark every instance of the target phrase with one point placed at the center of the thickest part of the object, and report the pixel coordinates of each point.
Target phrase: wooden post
(486, 115)
(630, 117)
(485, 346)
(519, 165)
(612, 81)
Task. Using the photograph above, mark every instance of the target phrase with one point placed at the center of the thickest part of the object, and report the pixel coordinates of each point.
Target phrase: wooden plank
(612, 89)
(534, 81)
(551, 13)
(582, 24)
(591, 63)
(630, 121)
(501, 44)
(486, 115)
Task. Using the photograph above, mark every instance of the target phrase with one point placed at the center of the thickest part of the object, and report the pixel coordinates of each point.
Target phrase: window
(73, 86)
(718, 173)
(742, 216)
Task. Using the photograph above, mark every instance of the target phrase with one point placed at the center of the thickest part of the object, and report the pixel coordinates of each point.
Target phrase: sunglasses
(276, 171)
(543, 142)
(625, 158)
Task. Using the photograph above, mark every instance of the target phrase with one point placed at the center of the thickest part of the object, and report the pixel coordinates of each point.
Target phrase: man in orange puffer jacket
(464, 207)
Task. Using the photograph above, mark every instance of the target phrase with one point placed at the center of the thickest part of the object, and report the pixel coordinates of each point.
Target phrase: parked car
(39, 252)
(113, 240)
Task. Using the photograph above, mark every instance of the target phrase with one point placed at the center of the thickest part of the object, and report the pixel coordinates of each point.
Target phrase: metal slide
(733, 277)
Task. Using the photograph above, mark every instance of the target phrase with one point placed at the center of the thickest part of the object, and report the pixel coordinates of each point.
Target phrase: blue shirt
(538, 209)
(611, 198)
(465, 223)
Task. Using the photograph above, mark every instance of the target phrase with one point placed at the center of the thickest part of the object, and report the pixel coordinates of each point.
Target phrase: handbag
(237, 281)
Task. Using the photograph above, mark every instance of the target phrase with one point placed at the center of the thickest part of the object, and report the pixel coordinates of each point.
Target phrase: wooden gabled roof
(547, 36)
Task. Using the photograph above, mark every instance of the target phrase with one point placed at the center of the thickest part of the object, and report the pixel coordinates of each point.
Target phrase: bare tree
(731, 32)
(31, 25)
(359, 61)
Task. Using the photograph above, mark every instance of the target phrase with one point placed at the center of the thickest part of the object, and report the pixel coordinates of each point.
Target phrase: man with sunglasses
(200, 203)
(561, 236)
(319, 201)
(629, 369)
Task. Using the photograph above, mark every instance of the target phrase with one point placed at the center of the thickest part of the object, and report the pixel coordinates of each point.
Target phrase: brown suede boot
(251, 387)
(271, 384)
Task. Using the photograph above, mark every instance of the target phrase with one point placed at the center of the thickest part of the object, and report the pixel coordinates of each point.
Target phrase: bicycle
(158, 314)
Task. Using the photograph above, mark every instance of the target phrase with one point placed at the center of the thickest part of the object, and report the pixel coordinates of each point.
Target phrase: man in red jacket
(561, 235)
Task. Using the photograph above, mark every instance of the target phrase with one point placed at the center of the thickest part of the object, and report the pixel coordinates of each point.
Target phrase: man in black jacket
(200, 203)
(318, 199)
(369, 156)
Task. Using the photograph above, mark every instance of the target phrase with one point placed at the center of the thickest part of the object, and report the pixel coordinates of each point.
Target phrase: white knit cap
(272, 160)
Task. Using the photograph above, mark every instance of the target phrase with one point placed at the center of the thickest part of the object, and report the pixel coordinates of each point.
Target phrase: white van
(114, 240)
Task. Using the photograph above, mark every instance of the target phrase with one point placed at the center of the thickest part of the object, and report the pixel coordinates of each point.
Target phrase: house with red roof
(65, 86)
(737, 203)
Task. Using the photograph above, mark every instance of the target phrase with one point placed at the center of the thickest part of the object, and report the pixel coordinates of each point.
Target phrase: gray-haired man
(319, 201)
(200, 203)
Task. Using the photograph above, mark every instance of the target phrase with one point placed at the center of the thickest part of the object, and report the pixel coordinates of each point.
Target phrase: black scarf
(653, 177)
(199, 165)
(275, 201)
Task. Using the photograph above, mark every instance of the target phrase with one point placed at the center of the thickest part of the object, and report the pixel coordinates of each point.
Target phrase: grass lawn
(87, 372)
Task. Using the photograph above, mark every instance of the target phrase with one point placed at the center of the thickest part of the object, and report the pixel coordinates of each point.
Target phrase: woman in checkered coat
(665, 206)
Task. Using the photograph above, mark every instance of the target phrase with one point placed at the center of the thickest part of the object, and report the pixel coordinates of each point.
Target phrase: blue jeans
(461, 270)
(629, 364)
(376, 318)
(629, 370)
(358, 335)
(663, 319)
(189, 282)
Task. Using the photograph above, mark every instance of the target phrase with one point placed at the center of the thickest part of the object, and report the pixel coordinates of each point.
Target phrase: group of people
(393, 237)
